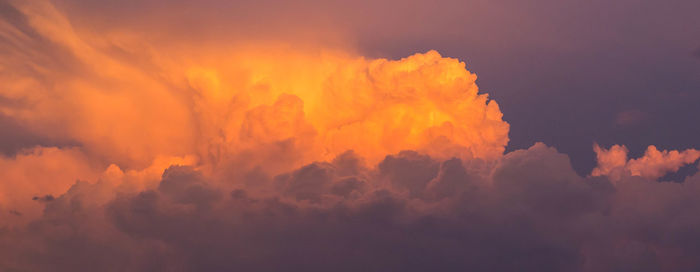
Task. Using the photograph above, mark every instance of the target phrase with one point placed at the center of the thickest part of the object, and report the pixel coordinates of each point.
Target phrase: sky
(349, 135)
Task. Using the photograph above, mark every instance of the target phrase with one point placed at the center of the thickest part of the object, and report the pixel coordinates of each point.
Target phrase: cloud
(630, 117)
(122, 98)
(45, 198)
(214, 100)
(266, 156)
(39, 171)
(654, 164)
(15, 137)
(531, 209)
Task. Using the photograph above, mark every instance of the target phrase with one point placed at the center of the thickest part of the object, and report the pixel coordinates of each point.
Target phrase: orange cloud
(654, 164)
(127, 100)
(227, 156)
(217, 100)
(39, 172)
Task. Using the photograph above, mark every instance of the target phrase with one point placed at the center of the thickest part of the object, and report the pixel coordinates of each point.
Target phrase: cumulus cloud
(39, 171)
(260, 156)
(530, 212)
(212, 100)
(123, 98)
(653, 164)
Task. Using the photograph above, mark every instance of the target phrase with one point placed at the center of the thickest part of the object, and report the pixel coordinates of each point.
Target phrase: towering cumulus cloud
(129, 150)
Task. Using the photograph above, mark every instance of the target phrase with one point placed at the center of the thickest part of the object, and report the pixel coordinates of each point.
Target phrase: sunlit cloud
(142, 150)
(654, 164)
(128, 102)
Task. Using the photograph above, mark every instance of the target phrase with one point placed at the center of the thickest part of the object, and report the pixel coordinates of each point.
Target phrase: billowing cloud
(126, 100)
(148, 153)
(653, 164)
(130, 99)
(411, 212)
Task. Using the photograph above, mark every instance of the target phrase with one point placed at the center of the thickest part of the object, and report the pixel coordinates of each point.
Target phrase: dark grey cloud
(45, 198)
(14, 137)
(531, 212)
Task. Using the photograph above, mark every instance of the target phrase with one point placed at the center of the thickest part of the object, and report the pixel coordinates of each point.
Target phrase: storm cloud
(157, 144)
(528, 212)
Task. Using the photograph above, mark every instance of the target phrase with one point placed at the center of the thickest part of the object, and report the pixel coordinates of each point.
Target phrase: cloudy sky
(349, 135)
